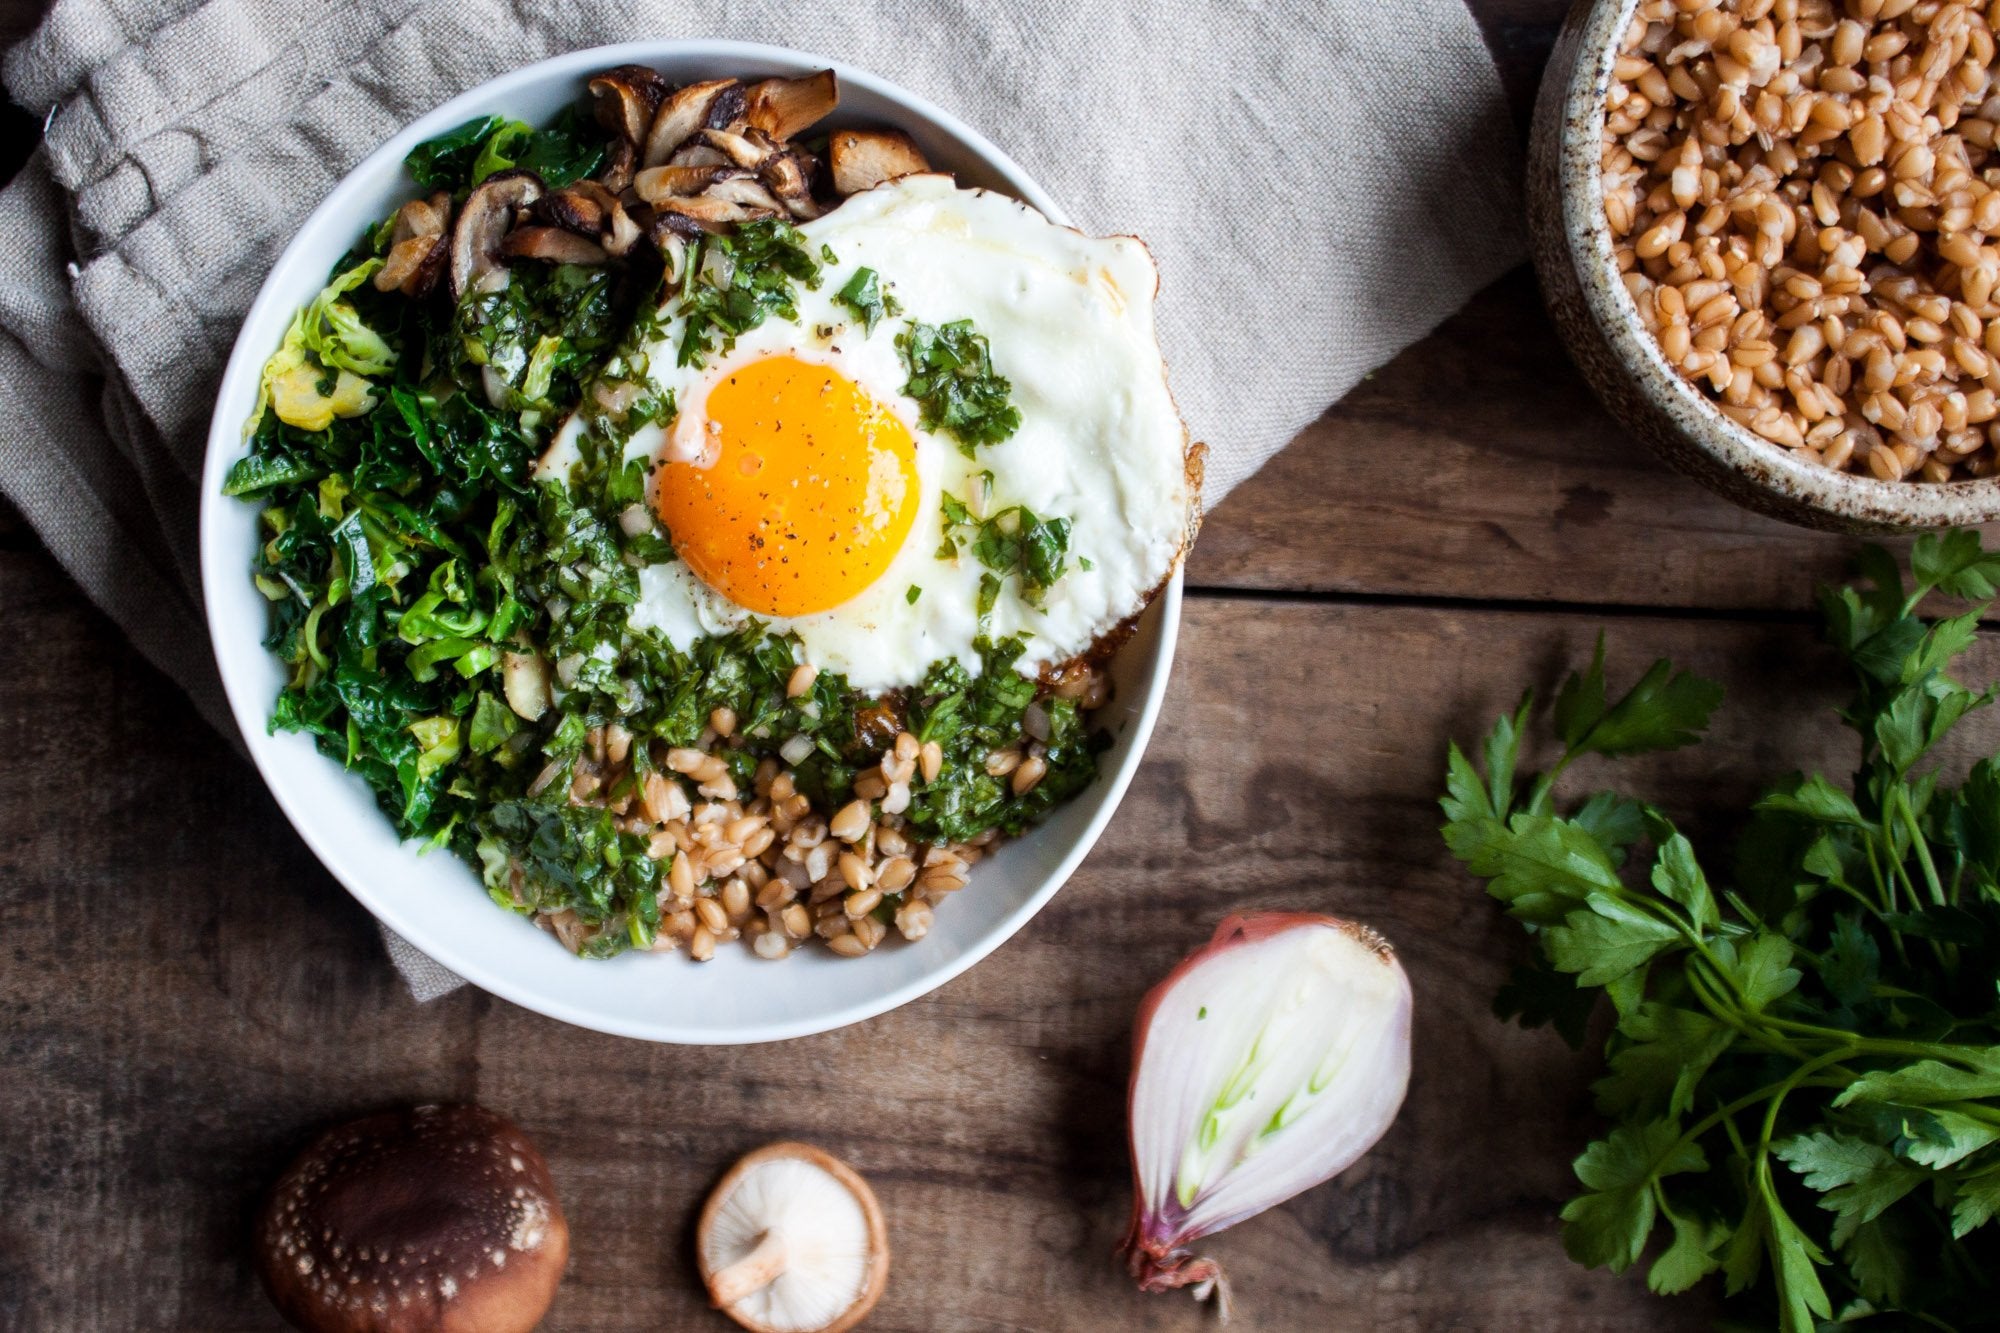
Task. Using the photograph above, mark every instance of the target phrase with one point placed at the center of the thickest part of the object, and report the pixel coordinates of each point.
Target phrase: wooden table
(188, 996)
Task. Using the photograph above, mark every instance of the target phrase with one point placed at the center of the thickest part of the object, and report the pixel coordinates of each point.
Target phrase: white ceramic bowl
(435, 901)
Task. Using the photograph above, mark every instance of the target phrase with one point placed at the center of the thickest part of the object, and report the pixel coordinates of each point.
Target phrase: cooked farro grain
(765, 867)
(1804, 206)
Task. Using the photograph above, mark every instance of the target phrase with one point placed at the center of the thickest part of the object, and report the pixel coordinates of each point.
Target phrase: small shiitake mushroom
(484, 220)
(435, 1219)
(551, 245)
(863, 159)
(626, 99)
(782, 108)
(792, 1241)
(686, 110)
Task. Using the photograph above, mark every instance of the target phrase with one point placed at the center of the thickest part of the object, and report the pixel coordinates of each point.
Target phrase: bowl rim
(1843, 494)
(246, 695)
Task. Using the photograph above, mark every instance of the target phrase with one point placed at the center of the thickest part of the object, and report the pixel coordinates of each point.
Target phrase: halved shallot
(1266, 1063)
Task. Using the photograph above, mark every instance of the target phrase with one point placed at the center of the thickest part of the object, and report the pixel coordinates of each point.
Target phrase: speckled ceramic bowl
(1572, 253)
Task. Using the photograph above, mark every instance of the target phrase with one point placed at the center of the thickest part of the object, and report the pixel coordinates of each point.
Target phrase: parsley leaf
(1609, 1225)
(1856, 1180)
(955, 386)
(1014, 541)
(1824, 999)
(865, 295)
(733, 283)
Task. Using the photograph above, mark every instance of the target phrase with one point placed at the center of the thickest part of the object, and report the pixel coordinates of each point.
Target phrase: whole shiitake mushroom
(792, 1241)
(433, 1219)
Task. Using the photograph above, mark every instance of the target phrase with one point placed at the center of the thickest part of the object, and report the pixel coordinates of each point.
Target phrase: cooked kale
(408, 552)
(561, 154)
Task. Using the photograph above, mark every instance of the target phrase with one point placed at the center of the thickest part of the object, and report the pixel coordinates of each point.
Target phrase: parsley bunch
(1804, 1065)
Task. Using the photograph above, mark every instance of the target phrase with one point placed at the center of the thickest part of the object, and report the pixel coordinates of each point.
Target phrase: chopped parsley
(1014, 541)
(956, 388)
(970, 717)
(408, 556)
(734, 282)
(912, 595)
(866, 297)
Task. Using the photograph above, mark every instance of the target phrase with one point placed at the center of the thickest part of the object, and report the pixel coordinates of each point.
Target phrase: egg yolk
(807, 488)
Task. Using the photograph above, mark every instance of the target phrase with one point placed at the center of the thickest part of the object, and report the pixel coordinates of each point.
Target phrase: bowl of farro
(571, 549)
(1769, 233)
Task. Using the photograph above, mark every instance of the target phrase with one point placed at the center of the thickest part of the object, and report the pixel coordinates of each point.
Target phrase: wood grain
(190, 996)
(1478, 466)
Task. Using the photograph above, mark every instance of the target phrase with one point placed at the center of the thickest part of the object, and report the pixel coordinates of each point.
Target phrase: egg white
(1069, 320)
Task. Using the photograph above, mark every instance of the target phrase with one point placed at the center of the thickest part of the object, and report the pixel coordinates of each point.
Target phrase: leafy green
(870, 301)
(561, 154)
(323, 368)
(1803, 1064)
(969, 717)
(1015, 541)
(733, 283)
(409, 554)
(956, 388)
(445, 163)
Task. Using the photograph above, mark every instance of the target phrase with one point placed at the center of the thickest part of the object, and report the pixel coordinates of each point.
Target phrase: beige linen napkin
(1321, 184)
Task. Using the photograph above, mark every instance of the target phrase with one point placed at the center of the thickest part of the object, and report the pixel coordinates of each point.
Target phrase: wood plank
(190, 996)
(1478, 465)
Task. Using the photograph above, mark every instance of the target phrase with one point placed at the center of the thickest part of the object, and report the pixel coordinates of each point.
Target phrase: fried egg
(814, 500)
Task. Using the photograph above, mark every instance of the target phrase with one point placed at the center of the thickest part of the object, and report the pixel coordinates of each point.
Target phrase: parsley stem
(1989, 1115)
(1735, 1012)
(1796, 1078)
(1918, 841)
(1896, 864)
(1916, 1050)
(1722, 1113)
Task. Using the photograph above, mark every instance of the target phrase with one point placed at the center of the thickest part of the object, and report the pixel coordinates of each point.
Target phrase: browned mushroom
(575, 209)
(656, 183)
(627, 98)
(668, 226)
(863, 159)
(747, 191)
(621, 159)
(621, 231)
(748, 149)
(695, 153)
(417, 246)
(707, 212)
(485, 219)
(437, 1219)
(685, 111)
(788, 178)
(585, 208)
(551, 245)
(782, 108)
(792, 1241)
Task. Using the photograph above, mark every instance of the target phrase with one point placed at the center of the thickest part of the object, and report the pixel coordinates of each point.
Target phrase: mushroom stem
(753, 1272)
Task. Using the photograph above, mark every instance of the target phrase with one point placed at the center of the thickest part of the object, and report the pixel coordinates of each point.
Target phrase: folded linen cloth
(1321, 184)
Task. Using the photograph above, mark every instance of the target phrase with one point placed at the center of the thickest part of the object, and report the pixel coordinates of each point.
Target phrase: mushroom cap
(484, 220)
(827, 1222)
(433, 1219)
